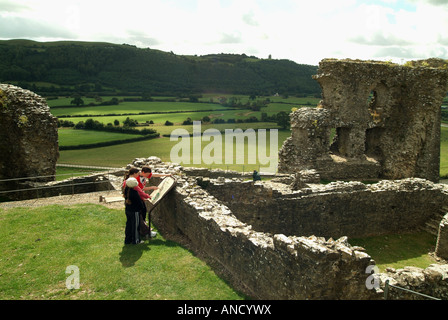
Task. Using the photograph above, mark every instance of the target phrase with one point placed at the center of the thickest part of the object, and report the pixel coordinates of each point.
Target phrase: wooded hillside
(56, 67)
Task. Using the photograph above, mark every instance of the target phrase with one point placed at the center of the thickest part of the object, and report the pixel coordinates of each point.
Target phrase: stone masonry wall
(337, 209)
(28, 135)
(271, 265)
(265, 266)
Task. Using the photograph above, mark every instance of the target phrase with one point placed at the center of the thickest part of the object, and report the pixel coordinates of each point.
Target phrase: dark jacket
(133, 202)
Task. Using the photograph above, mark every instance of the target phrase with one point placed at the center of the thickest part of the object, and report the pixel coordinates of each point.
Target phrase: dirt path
(93, 197)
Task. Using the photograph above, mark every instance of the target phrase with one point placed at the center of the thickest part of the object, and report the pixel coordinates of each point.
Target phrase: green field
(123, 154)
(136, 108)
(175, 111)
(72, 137)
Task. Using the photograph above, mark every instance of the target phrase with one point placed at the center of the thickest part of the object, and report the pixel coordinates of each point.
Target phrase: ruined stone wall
(337, 209)
(386, 119)
(28, 134)
(103, 181)
(431, 281)
(264, 266)
(272, 265)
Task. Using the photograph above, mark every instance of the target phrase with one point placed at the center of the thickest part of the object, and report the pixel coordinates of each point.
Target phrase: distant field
(136, 107)
(164, 110)
(72, 137)
(176, 118)
(122, 154)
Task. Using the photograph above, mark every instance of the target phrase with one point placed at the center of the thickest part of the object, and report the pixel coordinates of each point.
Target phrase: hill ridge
(121, 67)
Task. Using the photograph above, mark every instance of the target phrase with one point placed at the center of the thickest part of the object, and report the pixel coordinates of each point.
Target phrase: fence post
(386, 290)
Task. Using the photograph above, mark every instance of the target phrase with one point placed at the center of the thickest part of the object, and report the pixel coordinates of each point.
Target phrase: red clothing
(141, 193)
(140, 184)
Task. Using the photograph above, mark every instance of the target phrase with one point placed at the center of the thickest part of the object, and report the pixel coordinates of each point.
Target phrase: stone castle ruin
(288, 237)
(385, 119)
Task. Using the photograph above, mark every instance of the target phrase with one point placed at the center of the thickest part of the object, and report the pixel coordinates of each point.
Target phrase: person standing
(133, 207)
(135, 173)
(145, 175)
(143, 178)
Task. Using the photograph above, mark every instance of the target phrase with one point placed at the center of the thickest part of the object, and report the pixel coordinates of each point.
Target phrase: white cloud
(305, 32)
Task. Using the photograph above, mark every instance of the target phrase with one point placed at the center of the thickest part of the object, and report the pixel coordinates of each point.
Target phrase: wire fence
(42, 186)
(35, 187)
(388, 286)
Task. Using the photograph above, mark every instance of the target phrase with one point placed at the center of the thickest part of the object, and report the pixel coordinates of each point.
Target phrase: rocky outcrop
(28, 135)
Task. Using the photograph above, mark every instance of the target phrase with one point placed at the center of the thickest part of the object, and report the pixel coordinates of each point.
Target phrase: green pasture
(206, 97)
(72, 137)
(175, 112)
(166, 130)
(121, 155)
(66, 101)
(176, 118)
(136, 108)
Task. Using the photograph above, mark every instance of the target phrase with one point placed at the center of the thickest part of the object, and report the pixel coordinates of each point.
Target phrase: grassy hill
(67, 66)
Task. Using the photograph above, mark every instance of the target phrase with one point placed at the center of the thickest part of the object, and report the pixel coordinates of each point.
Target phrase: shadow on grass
(131, 253)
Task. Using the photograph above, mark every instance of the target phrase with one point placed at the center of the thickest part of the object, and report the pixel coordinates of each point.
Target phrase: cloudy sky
(302, 31)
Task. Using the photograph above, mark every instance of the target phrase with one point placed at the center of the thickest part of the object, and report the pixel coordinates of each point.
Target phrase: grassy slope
(33, 263)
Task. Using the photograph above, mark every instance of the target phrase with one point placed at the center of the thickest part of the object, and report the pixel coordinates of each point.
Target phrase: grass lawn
(38, 244)
(399, 250)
